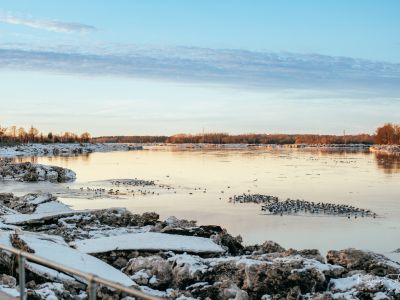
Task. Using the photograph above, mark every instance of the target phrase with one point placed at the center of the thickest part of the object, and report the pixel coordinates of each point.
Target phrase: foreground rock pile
(29, 172)
(175, 259)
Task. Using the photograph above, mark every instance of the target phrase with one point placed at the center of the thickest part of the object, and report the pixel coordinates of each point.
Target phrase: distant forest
(13, 135)
(131, 139)
(388, 134)
(224, 138)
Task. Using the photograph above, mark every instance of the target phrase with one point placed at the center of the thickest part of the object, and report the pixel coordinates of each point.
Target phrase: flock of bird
(290, 206)
(274, 206)
(132, 182)
(253, 198)
(98, 192)
(269, 204)
(126, 187)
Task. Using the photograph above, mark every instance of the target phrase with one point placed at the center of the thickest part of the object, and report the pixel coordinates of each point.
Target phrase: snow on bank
(63, 149)
(55, 249)
(31, 207)
(45, 203)
(21, 219)
(205, 146)
(149, 241)
(52, 207)
(43, 210)
(389, 149)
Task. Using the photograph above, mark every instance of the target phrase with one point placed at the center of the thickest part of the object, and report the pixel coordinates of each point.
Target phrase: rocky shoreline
(387, 149)
(63, 149)
(57, 149)
(29, 172)
(175, 259)
(203, 146)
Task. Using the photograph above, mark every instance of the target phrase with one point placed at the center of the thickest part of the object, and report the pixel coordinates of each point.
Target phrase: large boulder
(307, 253)
(365, 286)
(266, 248)
(222, 290)
(370, 262)
(153, 271)
(231, 244)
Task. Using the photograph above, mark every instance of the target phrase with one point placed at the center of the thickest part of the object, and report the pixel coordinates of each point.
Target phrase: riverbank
(205, 146)
(175, 259)
(63, 149)
(57, 149)
(387, 149)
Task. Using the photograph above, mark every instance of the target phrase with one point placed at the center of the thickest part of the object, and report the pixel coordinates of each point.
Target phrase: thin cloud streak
(50, 25)
(216, 66)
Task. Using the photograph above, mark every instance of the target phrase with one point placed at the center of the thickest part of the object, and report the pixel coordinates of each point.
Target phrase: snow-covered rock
(13, 292)
(365, 286)
(370, 262)
(227, 277)
(32, 203)
(149, 241)
(37, 218)
(30, 172)
(153, 271)
(55, 249)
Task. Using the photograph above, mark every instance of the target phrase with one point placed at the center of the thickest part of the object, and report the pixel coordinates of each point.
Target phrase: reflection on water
(35, 159)
(331, 151)
(341, 177)
(389, 163)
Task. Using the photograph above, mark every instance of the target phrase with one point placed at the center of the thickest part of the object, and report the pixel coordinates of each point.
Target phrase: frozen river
(203, 181)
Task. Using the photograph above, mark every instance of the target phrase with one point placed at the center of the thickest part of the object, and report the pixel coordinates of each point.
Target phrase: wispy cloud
(232, 67)
(50, 25)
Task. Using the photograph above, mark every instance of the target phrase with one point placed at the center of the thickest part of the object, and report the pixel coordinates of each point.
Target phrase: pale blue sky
(161, 67)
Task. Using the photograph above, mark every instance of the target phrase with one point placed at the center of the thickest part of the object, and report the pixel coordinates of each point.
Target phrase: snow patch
(55, 249)
(149, 241)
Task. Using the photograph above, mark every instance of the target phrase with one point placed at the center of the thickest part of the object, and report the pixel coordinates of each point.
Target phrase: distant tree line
(224, 138)
(366, 139)
(14, 135)
(388, 134)
(130, 139)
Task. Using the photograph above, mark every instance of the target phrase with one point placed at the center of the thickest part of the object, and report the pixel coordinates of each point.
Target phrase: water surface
(364, 180)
